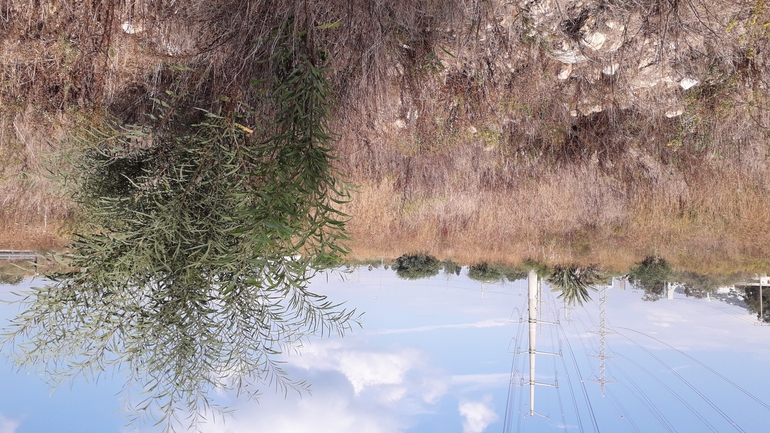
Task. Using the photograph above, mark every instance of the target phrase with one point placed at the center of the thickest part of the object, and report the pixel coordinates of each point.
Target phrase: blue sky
(436, 355)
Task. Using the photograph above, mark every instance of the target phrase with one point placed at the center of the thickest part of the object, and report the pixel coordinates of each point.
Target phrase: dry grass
(573, 215)
(32, 207)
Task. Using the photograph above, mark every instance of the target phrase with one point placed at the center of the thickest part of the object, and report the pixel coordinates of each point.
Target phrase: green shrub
(451, 267)
(485, 272)
(416, 266)
(651, 276)
(10, 279)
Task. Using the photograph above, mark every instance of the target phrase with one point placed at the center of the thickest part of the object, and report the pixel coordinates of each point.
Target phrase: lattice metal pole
(602, 380)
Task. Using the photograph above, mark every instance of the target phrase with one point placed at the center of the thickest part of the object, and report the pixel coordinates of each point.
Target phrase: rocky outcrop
(651, 64)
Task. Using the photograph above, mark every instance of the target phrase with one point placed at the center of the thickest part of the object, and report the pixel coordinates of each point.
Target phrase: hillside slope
(583, 130)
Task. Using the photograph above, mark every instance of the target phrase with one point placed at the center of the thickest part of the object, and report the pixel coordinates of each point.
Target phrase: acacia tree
(753, 305)
(485, 273)
(651, 275)
(416, 266)
(201, 233)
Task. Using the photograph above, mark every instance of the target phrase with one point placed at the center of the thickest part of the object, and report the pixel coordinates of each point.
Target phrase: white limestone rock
(588, 109)
(687, 83)
(610, 69)
(568, 54)
(594, 41)
(674, 112)
(130, 28)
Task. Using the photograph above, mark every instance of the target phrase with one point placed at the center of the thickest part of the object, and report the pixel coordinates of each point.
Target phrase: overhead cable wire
(508, 399)
(674, 393)
(556, 375)
(574, 399)
(641, 396)
(623, 410)
(511, 390)
(582, 384)
(572, 393)
(733, 311)
(689, 385)
(552, 312)
(646, 401)
(735, 385)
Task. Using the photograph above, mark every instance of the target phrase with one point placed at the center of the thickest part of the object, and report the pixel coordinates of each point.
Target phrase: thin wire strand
(716, 373)
(689, 385)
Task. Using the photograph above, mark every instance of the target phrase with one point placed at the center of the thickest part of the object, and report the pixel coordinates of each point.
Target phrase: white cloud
(362, 368)
(477, 415)
(481, 324)
(353, 390)
(8, 425)
(328, 415)
(482, 380)
(433, 388)
(390, 394)
(330, 409)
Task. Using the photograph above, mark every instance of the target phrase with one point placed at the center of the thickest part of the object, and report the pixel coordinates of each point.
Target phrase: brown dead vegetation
(452, 118)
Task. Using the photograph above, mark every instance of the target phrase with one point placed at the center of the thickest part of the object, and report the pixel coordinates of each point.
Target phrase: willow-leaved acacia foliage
(202, 231)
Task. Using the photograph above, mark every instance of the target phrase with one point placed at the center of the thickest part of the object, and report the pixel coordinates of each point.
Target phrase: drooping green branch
(192, 270)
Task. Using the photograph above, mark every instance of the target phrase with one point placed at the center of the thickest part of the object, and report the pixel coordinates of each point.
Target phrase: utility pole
(763, 281)
(669, 290)
(539, 297)
(622, 283)
(533, 287)
(532, 291)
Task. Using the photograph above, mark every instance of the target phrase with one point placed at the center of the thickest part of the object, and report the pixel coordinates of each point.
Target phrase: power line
(582, 385)
(509, 400)
(511, 391)
(735, 385)
(689, 385)
(678, 397)
(574, 399)
(554, 313)
(646, 401)
(623, 410)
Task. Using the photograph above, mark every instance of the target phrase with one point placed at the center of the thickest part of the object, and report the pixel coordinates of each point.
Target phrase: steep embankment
(588, 131)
